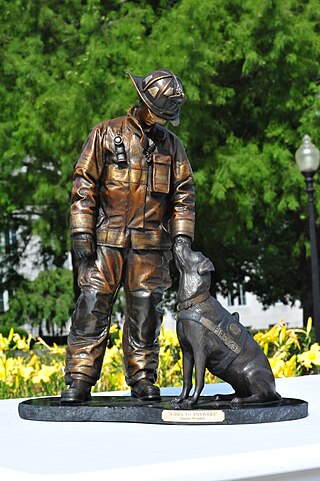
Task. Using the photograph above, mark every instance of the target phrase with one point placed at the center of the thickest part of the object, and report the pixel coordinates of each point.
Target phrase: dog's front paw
(177, 400)
(188, 403)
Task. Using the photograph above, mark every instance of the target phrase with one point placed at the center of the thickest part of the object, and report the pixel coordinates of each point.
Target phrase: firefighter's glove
(83, 245)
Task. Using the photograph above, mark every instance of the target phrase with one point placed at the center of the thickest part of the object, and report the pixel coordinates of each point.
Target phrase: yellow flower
(113, 329)
(292, 338)
(44, 374)
(309, 325)
(4, 344)
(34, 360)
(120, 380)
(290, 367)
(41, 341)
(271, 336)
(2, 370)
(21, 343)
(310, 358)
(176, 368)
(25, 372)
(11, 365)
(282, 368)
(11, 334)
(110, 354)
(120, 335)
(282, 334)
(277, 366)
(60, 351)
(168, 337)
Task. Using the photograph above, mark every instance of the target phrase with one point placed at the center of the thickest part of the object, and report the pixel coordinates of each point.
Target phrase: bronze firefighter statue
(132, 198)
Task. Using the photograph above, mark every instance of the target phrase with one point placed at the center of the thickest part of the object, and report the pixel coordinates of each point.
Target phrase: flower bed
(27, 371)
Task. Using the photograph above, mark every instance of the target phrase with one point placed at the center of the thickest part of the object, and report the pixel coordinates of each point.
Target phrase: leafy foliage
(48, 300)
(251, 75)
(291, 352)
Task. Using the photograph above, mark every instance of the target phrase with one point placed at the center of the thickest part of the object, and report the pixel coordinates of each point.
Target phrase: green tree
(252, 78)
(45, 302)
(250, 71)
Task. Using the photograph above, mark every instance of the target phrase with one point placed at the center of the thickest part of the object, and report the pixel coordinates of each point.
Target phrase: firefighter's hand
(83, 245)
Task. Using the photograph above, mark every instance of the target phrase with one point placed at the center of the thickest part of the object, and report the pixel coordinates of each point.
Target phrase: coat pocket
(161, 173)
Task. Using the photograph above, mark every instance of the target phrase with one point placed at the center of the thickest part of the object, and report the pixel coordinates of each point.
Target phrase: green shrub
(5, 330)
(46, 300)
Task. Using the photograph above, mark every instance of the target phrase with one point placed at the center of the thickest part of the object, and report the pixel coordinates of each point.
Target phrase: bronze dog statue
(212, 338)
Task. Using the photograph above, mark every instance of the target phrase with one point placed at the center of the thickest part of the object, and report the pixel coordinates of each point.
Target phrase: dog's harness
(225, 326)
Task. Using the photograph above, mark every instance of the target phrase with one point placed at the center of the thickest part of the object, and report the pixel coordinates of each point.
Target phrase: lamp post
(307, 158)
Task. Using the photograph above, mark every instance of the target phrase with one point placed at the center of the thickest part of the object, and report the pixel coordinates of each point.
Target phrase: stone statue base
(129, 410)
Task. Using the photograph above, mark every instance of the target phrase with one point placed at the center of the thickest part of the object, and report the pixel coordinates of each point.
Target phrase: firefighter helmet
(161, 90)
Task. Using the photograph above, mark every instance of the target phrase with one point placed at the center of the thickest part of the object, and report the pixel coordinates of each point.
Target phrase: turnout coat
(143, 201)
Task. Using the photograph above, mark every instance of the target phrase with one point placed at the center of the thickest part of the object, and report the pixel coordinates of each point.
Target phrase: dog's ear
(205, 266)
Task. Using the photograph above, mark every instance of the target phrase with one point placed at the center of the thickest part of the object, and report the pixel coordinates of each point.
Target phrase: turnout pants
(145, 275)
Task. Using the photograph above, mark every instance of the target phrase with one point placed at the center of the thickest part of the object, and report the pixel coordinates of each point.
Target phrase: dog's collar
(193, 301)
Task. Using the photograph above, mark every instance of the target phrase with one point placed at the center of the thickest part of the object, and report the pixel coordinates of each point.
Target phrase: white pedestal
(47, 451)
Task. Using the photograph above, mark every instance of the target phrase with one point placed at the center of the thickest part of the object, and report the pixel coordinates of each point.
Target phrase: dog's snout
(179, 252)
